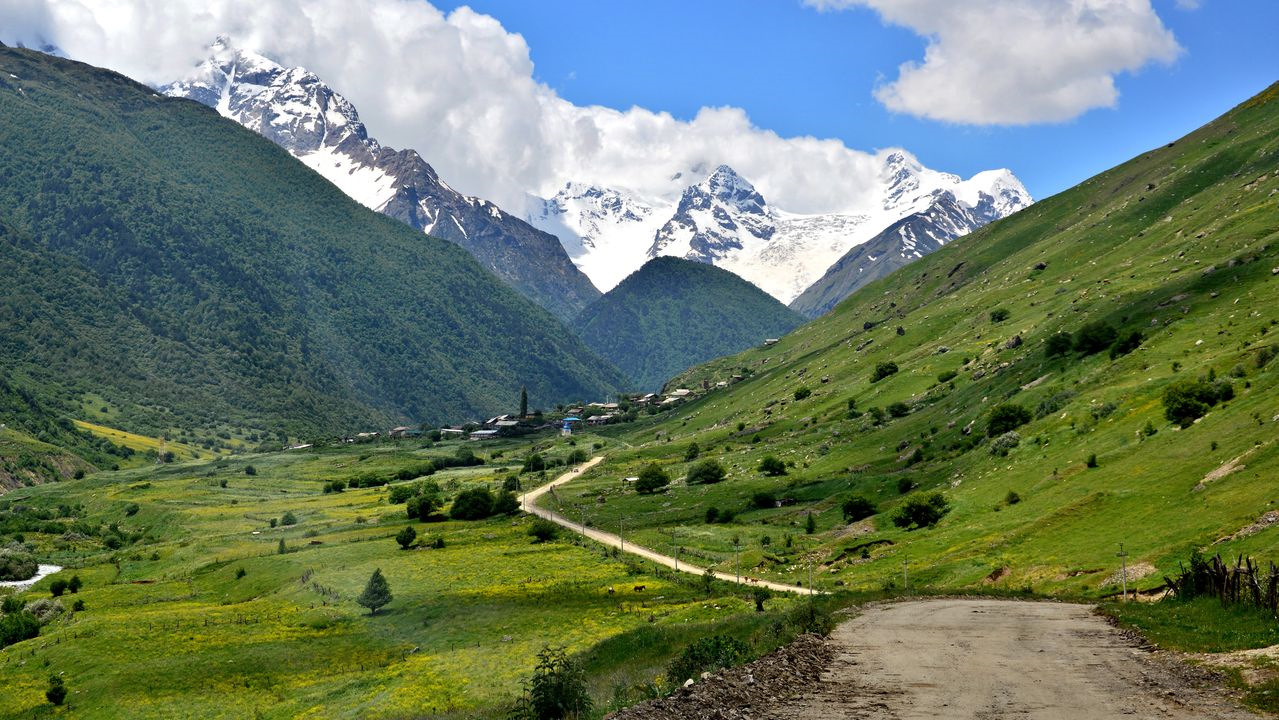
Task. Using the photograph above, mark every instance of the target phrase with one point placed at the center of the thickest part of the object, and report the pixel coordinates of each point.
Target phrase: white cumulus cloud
(457, 87)
(1016, 62)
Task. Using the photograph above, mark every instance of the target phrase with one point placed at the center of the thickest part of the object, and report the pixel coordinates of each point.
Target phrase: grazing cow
(610, 589)
(639, 588)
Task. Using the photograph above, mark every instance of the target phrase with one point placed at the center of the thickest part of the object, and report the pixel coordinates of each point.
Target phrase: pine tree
(523, 402)
(376, 594)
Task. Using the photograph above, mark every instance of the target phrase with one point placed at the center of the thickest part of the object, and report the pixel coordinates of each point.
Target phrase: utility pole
(811, 590)
(621, 525)
(1123, 559)
(905, 578)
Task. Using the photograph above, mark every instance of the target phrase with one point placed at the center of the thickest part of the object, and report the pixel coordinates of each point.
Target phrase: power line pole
(621, 525)
(1123, 573)
(905, 578)
(737, 551)
(811, 590)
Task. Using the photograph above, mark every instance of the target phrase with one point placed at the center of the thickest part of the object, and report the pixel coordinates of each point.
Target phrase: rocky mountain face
(905, 241)
(725, 221)
(299, 112)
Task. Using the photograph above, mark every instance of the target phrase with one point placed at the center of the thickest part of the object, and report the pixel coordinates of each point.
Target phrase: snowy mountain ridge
(295, 109)
(725, 221)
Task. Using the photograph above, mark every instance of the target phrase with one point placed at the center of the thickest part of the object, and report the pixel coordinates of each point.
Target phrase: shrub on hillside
(946, 376)
(543, 530)
(1185, 401)
(404, 537)
(772, 467)
(652, 479)
(17, 565)
(506, 503)
(905, 485)
(857, 508)
(708, 654)
(692, 452)
(1006, 417)
(1126, 344)
(1058, 344)
(557, 690)
(16, 626)
(883, 370)
(706, 472)
(1003, 444)
(898, 409)
(473, 504)
(533, 463)
(802, 393)
(999, 315)
(764, 500)
(1094, 337)
(921, 512)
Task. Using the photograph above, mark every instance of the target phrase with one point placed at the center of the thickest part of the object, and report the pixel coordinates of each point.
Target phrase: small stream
(42, 572)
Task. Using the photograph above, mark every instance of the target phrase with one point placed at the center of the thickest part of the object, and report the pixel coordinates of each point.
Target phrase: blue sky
(799, 71)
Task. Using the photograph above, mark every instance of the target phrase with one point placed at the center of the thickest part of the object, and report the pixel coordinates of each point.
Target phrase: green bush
(947, 376)
(1094, 337)
(404, 537)
(1126, 344)
(652, 479)
(473, 504)
(18, 625)
(883, 370)
(802, 393)
(533, 463)
(57, 691)
(1004, 444)
(708, 654)
(999, 315)
(543, 530)
(921, 512)
(17, 565)
(58, 587)
(1188, 400)
(706, 472)
(1006, 417)
(506, 503)
(692, 452)
(1058, 344)
(1012, 498)
(898, 409)
(764, 500)
(772, 467)
(289, 519)
(857, 508)
(905, 485)
(557, 689)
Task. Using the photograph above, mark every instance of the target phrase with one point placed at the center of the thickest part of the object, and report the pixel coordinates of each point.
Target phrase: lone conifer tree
(376, 594)
(523, 401)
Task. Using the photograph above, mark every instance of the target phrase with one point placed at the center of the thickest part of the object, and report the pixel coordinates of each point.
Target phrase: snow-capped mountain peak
(297, 110)
(725, 220)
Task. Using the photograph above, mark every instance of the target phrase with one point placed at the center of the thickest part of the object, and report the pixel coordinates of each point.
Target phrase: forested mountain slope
(673, 313)
(193, 273)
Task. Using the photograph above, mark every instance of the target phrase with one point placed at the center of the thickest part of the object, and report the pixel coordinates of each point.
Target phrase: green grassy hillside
(674, 313)
(193, 274)
(1180, 245)
(214, 591)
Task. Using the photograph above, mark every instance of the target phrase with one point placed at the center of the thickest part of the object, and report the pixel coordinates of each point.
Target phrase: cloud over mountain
(1004, 62)
(459, 88)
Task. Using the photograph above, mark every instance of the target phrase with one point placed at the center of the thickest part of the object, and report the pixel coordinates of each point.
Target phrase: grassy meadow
(197, 614)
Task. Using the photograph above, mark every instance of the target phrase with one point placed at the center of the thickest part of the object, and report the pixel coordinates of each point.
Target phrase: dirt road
(529, 504)
(987, 659)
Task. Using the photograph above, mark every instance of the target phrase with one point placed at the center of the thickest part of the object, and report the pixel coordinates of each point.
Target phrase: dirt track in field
(960, 659)
(987, 659)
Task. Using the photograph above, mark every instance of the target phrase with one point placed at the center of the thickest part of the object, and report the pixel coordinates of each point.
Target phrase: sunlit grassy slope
(1181, 244)
(169, 630)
